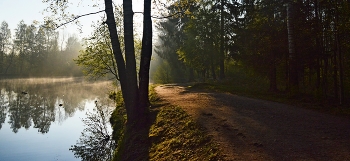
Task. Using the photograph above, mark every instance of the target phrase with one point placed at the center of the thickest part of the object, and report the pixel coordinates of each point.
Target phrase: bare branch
(172, 15)
(77, 17)
(169, 16)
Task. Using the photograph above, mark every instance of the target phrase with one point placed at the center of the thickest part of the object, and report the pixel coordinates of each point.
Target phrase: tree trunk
(318, 48)
(293, 68)
(1, 61)
(222, 52)
(131, 102)
(116, 46)
(134, 145)
(335, 72)
(341, 71)
(341, 81)
(213, 70)
(273, 73)
(325, 77)
(286, 76)
(146, 54)
(340, 58)
(191, 75)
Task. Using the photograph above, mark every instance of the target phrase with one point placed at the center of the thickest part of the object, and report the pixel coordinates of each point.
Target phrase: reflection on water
(42, 105)
(95, 142)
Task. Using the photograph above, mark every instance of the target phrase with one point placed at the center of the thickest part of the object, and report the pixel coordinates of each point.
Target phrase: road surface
(253, 129)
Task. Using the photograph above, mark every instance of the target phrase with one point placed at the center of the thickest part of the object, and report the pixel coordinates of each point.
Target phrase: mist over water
(40, 118)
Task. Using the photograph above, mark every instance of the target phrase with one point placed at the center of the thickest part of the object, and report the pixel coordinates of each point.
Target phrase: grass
(173, 135)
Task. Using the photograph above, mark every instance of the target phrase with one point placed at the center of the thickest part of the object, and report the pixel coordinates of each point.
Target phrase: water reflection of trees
(35, 102)
(3, 107)
(95, 142)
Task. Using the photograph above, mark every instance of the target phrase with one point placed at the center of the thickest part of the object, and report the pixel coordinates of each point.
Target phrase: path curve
(253, 129)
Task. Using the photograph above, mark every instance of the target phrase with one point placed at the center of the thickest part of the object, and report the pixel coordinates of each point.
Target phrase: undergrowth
(251, 85)
(173, 135)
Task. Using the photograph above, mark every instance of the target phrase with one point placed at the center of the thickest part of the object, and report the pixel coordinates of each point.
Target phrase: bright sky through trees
(13, 11)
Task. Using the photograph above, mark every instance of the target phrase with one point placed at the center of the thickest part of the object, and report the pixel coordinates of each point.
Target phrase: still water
(40, 119)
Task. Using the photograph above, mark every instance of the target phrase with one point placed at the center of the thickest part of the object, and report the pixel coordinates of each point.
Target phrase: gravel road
(253, 129)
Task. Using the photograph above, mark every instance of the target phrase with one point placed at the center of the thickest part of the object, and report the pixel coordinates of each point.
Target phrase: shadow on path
(253, 129)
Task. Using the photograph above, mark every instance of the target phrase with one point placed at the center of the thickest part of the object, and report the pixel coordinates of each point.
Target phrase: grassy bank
(173, 135)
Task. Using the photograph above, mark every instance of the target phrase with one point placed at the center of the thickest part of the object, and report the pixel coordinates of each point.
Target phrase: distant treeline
(36, 50)
(300, 46)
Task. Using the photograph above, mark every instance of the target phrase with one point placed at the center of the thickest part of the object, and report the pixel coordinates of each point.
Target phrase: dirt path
(252, 129)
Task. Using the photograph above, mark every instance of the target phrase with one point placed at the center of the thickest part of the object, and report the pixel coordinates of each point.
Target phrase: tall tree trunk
(335, 72)
(339, 55)
(146, 54)
(318, 48)
(286, 76)
(335, 55)
(293, 67)
(130, 63)
(116, 47)
(341, 71)
(222, 52)
(134, 143)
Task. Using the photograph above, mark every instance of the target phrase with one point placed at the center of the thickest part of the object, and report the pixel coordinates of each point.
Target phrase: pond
(41, 118)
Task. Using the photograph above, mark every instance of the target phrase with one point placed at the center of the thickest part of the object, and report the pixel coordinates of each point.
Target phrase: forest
(36, 50)
(294, 51)
(299, 46)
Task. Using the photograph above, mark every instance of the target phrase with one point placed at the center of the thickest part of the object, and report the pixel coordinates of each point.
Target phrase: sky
(13, 11)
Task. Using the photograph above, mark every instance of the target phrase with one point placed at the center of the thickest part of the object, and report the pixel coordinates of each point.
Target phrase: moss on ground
(175, 136)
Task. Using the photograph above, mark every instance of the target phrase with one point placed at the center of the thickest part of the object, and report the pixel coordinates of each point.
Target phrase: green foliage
(166, 66)
(34, 51)
(97, 59)
(194, 39)
(167, 72)
(241, 80)
(162, 73)
(199, 49)
(5, 37)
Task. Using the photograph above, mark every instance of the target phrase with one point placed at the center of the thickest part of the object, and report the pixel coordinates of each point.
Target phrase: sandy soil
(253, 129)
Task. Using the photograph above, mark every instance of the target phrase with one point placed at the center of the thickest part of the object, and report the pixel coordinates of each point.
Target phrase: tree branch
(181, 12)
(77, 17)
